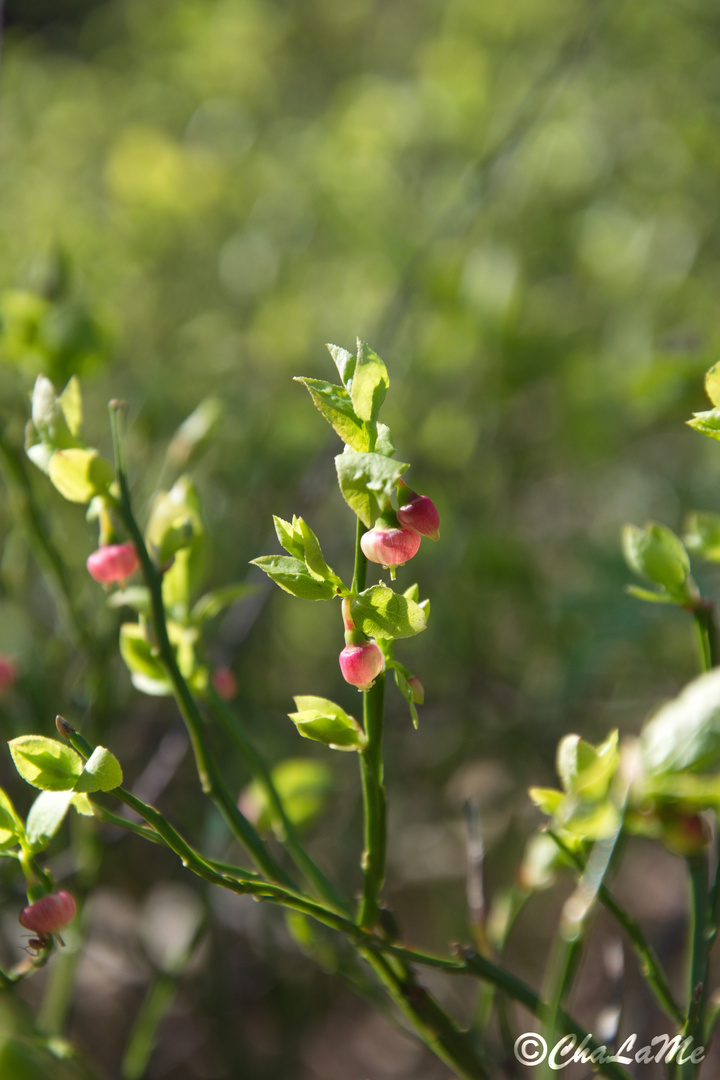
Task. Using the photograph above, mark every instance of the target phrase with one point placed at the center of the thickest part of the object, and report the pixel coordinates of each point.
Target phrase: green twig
(375, 804)
(233, 726)
(699, 957)
(210, 780)
(649, 962)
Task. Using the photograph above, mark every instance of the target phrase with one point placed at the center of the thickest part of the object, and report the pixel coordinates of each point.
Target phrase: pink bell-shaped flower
(418, 513)
(361, 664)
(49, 914)
(113, 562)
(389, 546)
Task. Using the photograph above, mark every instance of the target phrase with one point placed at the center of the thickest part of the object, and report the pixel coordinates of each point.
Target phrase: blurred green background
(516, 205)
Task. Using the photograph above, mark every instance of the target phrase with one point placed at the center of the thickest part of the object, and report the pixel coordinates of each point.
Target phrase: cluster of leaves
(367, 475)
(64, 780)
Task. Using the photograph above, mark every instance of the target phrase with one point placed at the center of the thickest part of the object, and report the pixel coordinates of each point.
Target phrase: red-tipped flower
(113, 562)
(418, 513)
(388, 546)
(361, 664)
(49, 914)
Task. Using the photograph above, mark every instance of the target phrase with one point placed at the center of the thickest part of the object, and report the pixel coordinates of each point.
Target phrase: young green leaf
(80, 474)
(587, 770)
(684, 734)
(380, 612)
(656, 553)
(294, 577)
(712, 385)
(547, 800)
(303, 785)
(703, 536)
(370, 383)
(406, 690)
(313, 555)
(707, 423)
(46, 816)
(334, 403)
(212, 603)
(290, 537)
(367, 482)
(344, 362)
(11, 827)
(323, 720)
(102, 772)
(70, 401)
(46, 763)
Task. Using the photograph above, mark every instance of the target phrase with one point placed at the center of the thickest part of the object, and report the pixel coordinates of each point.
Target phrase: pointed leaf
(325, 722)
(70, 401)
(657, 554)
(367, 482)
(712, 385)
(344, 362)
(294, 577)
(370, 383)
(334, 403)
(290, 537)
(707, 423)
(11, 827)
(45, 763)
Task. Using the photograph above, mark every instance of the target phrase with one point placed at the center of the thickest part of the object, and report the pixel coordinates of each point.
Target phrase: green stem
(699, 956)
(142, 1038)
(649, 962)
(704, 615)
(562, 967)
(375, 804)
(233, 726)
(207, 770)
(428, 1019)
(360, 572)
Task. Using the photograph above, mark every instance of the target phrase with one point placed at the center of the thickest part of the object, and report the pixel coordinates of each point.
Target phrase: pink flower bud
(8, 673)
(361, 664)
(113, 562)
(389, 547)
(225, 683)
(418, 690)
(49, 914)
(420, 514)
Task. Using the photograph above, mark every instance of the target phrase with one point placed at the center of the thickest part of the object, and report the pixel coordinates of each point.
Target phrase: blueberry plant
(664, 785)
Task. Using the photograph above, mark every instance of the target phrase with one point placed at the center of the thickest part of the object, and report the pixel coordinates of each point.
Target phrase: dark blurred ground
(516, 205)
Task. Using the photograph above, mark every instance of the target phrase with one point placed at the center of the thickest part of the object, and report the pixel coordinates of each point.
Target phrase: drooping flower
(361, 664)
(113, 562)
(418, 513)
(50, 913)
(389, 546)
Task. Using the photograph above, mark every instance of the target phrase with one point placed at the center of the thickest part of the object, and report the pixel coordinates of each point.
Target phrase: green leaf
(212, 603)
(369, 383)
(344, 362)
(11, 827)
(303, 785)
(707, 423)
(136, 597)
(82, 804)
(290, 537)
(384, 444)
(703, 536)
(174, 513)
(587, 770)
(80, 474)
(313, 555)
(595, 823)
(648, 595)
(294, 577)
(406, 690)
(547, 800)
(367, 482)
(323, 720)
(712, 385)
(102, 772)
(70, 401)
(380, 612)
(46, 816)
(656, 553)
(47, 417)
(139, 658)
(684, 734)
(45, 763)
(334, 403)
